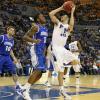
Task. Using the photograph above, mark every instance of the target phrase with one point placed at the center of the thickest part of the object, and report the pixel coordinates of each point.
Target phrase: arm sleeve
(1, 39)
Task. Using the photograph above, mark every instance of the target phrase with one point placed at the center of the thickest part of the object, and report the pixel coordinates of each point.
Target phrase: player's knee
(76, 68)
(15, 75)
(59, 69)
(75, 62)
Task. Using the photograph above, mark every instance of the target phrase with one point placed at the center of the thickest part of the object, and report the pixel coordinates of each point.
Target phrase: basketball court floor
(88, 89)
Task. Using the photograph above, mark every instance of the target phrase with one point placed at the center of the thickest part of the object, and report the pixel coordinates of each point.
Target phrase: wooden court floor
(88, 89)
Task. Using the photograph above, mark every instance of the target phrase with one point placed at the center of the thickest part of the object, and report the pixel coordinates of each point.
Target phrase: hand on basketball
(67, 6)
(73, 8)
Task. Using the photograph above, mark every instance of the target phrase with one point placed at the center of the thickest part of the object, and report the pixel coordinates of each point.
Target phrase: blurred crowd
(14, 12)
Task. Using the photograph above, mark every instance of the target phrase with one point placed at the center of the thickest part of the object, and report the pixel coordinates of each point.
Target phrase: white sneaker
(26, 95)
(19, 89)
(63, 93)
(47, 84)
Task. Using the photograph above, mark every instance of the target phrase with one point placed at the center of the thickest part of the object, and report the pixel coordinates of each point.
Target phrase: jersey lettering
(8, 48)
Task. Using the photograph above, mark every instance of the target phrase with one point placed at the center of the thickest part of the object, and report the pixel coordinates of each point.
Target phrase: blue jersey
(6, 44)
(42, 34)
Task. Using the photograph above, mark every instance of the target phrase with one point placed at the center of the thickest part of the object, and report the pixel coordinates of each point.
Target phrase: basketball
(68, 6)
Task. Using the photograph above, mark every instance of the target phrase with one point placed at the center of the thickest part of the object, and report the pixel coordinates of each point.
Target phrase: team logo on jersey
(44, 33)
(61, 26)
(8, 43)
(63, 34)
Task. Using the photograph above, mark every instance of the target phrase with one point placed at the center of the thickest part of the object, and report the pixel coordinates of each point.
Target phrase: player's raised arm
(53, 18)
(29, 35)
(71, 23)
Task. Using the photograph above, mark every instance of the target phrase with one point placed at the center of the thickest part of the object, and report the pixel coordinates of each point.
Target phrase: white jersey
(60, 34)
(73, 46)
(31, 44)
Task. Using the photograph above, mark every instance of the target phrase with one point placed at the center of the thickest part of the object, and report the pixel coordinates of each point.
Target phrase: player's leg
(51, 69)
(59, 65)
(67, 71)
(60, 79)
(12, 68)
(37, 61)
(48, 82)
(2, 61)
(36, 75)
(76, 67)
(40, 68)
(70, 57)
(58, 52)
(60, 69)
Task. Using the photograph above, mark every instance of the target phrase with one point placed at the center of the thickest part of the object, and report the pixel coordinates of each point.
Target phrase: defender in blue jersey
(6, 52)
(40, 33)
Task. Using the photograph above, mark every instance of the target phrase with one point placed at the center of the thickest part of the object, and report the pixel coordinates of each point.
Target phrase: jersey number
(45, 39)
(64, 32)
(72, 47)
(64, 35)
(8, 48)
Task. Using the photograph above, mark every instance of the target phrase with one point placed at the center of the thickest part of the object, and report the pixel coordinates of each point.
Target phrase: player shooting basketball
(62, 29)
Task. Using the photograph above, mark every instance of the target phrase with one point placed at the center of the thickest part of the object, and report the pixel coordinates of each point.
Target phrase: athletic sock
(61, 87)
(27, 86)
(17, 83)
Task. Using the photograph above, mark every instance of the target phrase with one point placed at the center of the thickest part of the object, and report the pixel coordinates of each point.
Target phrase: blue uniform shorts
(51, 67)
(7, 63)
(41, 63)
(41, 59)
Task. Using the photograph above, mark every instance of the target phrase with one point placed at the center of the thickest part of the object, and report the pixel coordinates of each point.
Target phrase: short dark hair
(36, 16)
(63, 13)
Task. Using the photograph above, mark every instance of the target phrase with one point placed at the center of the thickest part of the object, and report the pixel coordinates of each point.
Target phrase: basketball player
(6, 46)
(75, 48)
(60, 34)
(40, 33)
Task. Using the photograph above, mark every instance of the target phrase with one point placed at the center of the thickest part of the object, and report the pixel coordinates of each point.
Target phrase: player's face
(42, 18)
(64, 18)
(11, 31)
